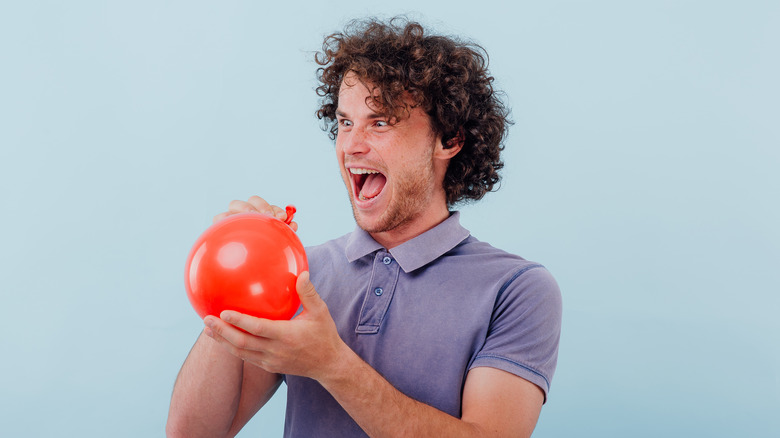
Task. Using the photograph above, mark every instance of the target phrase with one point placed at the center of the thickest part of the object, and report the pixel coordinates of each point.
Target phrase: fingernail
(224, 316)
(208, 332)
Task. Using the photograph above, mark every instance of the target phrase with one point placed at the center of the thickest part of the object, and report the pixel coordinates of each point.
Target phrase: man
(409, 326)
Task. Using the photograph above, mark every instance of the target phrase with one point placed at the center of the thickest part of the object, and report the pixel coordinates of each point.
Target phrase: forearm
(207, 392)
(494, 403)
(383, 411)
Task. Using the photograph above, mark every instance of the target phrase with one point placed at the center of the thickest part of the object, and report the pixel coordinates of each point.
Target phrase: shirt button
(387, 260)
(378, 291)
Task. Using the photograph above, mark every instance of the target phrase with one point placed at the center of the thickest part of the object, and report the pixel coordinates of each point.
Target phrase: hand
(255, 204)
(308, 345)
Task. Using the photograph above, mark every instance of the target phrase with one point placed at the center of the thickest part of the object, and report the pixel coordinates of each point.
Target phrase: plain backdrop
(642, 170)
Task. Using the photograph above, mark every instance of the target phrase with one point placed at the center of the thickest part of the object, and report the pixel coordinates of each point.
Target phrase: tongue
(373, 184)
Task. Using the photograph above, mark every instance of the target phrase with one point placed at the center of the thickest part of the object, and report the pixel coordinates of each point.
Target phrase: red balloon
(249, 263)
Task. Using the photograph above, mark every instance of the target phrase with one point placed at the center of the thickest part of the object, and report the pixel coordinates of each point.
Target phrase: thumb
(310, 299)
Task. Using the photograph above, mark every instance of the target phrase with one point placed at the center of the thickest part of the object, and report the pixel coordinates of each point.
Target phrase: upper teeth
(359, 171)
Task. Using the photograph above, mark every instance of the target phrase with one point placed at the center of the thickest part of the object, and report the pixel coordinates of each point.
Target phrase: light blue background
(642, 171)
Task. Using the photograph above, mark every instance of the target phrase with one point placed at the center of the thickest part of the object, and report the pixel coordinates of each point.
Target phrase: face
(392, 169)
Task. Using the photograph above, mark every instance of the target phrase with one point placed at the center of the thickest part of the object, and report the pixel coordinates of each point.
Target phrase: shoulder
(505, 280)
(477, 255)
(517, 282)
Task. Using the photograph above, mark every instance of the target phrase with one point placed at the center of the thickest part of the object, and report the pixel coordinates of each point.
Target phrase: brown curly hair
(448, 78)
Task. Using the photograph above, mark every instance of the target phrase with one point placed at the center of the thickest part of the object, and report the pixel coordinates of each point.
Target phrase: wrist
(342, 364)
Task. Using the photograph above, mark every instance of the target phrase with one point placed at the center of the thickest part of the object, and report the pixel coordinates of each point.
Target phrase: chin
(384, 222)
(367, 224)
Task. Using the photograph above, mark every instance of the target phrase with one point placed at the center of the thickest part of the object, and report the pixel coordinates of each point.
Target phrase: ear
(451, 147)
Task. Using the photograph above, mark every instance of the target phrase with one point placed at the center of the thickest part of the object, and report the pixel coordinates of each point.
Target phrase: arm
(216, 393)
(495, 403)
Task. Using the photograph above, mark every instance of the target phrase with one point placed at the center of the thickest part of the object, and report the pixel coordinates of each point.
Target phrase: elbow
(174, 427)
(182, 426)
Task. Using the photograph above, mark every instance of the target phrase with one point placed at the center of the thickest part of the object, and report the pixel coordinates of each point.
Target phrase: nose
(353, 142)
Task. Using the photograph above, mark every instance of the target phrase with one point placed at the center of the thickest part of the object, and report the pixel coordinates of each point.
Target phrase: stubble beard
(410, 197)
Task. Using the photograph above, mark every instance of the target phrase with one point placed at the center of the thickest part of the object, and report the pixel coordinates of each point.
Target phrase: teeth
(359, 171)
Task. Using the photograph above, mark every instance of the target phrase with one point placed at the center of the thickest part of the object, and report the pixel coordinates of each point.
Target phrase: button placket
(379, 293)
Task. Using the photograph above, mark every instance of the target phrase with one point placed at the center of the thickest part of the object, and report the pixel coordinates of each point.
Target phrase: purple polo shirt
(423, 314)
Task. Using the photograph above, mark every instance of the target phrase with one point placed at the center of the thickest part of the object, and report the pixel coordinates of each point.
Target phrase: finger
(310, 299)
(294, 226)
(208, 331)
(237, 206)
(249, 355)
(261, 206)
(220, 216)
(279, 212)
(231, 337)
(264, 207)
(259, 327)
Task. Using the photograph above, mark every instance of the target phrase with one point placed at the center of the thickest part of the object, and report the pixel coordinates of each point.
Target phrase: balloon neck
(290, 209)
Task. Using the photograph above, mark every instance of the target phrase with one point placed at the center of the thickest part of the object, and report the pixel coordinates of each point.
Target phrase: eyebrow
(372, 116)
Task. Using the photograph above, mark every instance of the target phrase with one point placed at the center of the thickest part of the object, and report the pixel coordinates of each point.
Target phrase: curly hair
(446, 77)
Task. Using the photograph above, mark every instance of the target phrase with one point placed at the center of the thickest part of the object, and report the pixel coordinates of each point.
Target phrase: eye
(381, 123)
(344, 124)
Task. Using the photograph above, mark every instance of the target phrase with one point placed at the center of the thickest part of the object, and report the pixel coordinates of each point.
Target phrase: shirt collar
(414, 253)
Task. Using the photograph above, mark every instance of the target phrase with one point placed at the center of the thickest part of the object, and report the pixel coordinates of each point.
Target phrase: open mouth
(367, 183)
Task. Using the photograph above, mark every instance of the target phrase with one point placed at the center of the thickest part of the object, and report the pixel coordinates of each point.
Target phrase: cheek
(339, 155)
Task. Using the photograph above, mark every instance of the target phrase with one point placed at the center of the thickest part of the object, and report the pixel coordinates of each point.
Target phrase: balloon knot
(290, 209)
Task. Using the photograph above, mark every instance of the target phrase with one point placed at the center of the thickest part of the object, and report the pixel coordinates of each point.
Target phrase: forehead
(354, 91)
(352, 80)
(357, 93)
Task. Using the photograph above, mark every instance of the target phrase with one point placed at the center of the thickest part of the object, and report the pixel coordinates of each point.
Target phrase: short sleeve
(525, 327)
